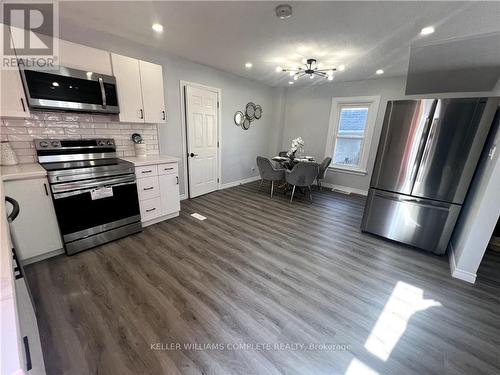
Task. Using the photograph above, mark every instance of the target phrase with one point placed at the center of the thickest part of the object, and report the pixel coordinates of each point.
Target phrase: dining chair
(269, 171)
(283, 153)
(302, 175)
(323, 167)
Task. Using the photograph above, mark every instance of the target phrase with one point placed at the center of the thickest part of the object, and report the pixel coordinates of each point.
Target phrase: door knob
(193, 154)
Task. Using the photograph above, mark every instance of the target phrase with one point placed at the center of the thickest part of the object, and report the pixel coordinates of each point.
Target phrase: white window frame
(372, 102)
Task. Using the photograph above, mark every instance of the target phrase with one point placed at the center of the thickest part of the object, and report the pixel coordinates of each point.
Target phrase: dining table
(289, 163)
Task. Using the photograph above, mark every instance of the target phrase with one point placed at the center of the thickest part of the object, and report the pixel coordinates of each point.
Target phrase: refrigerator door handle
(420, 202)
(428, 145)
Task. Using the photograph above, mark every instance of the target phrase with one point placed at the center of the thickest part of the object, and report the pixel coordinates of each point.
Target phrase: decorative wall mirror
(246, 123)
(250, 111)
(258, 112)
(239, 117)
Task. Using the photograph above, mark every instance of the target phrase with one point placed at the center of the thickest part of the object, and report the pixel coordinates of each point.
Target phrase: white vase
(140, 149)
(8, 156)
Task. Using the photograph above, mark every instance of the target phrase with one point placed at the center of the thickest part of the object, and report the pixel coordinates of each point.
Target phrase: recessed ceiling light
(279, 69)
(283, 11)
(379, 71)
(427, 30)
(55, 84)
(290, 82)
(248, 65)
(341, 68)
(157, 27)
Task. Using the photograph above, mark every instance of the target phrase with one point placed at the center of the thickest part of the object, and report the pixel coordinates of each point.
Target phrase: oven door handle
(87, 190)
(89, 184)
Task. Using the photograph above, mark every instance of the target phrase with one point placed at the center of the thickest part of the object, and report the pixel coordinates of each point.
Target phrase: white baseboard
(456, 272)
(239, 182)
(158, 219)
(347, 189)
(183, 196)
(41, 257)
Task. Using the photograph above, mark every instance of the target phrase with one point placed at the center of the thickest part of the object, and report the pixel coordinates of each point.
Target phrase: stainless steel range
(94, 192)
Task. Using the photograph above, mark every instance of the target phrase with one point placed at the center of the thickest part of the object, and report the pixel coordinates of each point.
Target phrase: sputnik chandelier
(310, 69)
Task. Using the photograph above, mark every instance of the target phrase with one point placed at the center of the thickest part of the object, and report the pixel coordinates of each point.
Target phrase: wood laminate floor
(255, 281)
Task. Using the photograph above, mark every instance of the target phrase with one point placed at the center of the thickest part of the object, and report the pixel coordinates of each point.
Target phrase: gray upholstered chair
(269, 171)
(323, 167)
(302, 175)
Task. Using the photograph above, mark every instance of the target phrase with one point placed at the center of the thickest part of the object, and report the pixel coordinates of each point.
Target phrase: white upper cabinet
(12, 99)
(90, 59)
(152, 92)
(128, 84)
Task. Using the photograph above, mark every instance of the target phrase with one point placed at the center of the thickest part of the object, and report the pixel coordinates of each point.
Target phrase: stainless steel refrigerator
(426, 158)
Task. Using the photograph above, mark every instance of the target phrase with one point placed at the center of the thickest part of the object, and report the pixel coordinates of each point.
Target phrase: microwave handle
(103, 92)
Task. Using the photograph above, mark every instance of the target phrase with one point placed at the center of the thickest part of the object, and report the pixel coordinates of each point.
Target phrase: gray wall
(480, 211)
(239, 147)
(307, 114)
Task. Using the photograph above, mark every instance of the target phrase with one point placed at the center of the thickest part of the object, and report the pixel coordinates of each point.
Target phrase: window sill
(359, 172)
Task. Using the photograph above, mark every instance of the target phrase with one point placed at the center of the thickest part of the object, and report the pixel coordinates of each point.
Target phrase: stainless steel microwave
(70, 90)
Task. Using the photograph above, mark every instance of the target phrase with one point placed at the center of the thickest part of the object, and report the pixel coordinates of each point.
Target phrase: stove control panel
(85, 145)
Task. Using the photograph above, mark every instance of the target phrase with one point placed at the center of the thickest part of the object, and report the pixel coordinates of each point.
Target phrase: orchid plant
(297, 145)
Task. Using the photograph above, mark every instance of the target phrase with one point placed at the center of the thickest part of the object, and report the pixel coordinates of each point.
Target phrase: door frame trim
(218, 91)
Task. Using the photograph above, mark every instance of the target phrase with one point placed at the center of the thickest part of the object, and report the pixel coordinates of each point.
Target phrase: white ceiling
(365, 36)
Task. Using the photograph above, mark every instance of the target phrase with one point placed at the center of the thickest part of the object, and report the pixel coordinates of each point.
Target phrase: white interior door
(201, 123)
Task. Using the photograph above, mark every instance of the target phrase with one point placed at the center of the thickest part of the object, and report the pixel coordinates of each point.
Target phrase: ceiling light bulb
(379, 71)
(291, 73)
(248, 65)
(329, 73)
(330, 78)
(279, 69)
(427, 30)
(157, 27)
(341, 68)
(55, 84)
(311, 76)
(295, 77)
(290, 82)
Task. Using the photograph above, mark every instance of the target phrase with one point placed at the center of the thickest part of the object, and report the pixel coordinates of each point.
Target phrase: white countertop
(151, 159)
(21, 171)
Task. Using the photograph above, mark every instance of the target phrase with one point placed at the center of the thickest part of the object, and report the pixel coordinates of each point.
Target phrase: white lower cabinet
(158, 189)
(35, 231)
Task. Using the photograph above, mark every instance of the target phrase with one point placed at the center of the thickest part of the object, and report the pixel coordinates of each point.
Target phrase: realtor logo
(32, 40)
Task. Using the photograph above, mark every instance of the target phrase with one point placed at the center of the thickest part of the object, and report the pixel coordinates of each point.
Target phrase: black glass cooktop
(57, 166)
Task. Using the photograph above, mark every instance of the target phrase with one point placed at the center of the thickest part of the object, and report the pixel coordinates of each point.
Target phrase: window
(351, 128)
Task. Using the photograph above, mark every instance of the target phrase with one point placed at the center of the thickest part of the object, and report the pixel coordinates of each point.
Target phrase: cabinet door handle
(163, 115)
(177, 177)
(148, 171)
(168, 169)
(142, 113)
(151, 209)
(149, 188)
(22, 103)
(28, 354)
(46, 191)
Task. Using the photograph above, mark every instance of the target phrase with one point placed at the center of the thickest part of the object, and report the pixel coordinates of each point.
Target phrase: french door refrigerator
(426, 158)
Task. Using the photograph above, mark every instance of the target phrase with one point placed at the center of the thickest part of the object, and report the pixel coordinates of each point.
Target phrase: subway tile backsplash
(48, 125)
